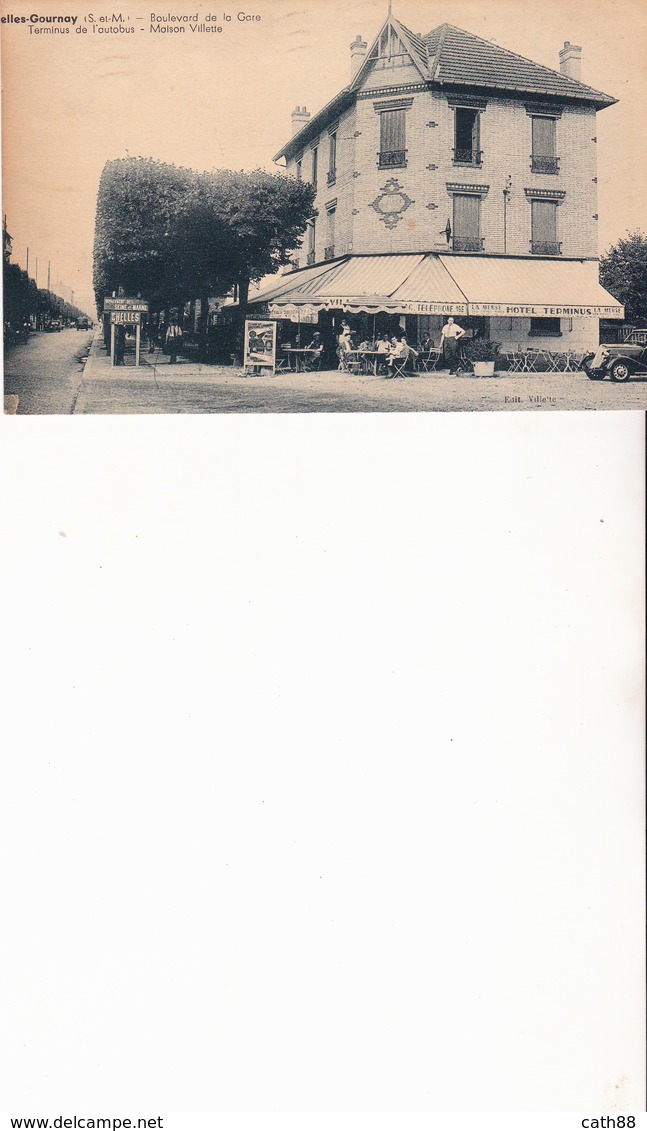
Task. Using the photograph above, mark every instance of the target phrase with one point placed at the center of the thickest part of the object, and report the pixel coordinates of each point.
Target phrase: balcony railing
(392, 159)
(468, 243)
(468, 157)
(545, 248)
(329, 252)
(544, 164)
(310, 257)
(331, 177)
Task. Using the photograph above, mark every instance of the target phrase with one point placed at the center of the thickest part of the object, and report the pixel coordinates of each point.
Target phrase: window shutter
(466, 217)
(392, 131)
(331, 226)
(544, 221)
(543, 137)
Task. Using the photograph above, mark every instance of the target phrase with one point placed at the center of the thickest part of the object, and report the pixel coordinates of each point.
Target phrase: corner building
(452, 177)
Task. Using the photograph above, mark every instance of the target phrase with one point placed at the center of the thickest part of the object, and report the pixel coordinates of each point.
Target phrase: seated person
(316, 345)
(427, 343)
(402, 349)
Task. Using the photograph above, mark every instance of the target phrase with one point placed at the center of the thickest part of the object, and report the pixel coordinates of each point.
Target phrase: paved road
(167, 391)
(45, 372)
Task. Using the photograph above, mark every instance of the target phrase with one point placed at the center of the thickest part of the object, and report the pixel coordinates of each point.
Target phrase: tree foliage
(172, 234)
(623, 272)
(23, 300)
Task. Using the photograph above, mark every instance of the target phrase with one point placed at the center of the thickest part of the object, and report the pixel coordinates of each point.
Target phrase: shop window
(467, 136)
(393, 151)
(467, 223)
(332, 159)
(544, 228)
(546, 327)
(544, 157)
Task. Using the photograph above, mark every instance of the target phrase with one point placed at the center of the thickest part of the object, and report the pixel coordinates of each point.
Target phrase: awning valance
(528, 288)
(510, 286)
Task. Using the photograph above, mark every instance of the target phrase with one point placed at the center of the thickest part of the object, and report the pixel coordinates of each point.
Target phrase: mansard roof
(452, 58)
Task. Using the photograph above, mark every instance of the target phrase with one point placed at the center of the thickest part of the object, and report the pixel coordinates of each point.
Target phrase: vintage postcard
(418, 197)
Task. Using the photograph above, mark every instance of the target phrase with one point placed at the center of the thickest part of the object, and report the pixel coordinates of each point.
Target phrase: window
(392, 153)
(329, 251)
(466, 136)
(546, 327)
(467, 223)
(544, 228)
(299, 164)
(312, 233)
(544, 146)
(332, 159)
(315, 158)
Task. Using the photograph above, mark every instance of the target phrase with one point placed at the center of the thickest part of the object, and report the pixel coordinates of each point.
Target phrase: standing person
(343, 343)
(151, 330)
(449, 339)
(173, 340)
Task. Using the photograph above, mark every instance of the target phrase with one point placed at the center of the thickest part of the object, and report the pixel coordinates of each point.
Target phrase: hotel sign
(537, 310)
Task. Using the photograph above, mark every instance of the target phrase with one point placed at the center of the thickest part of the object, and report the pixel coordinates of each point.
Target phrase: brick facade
(407, 207)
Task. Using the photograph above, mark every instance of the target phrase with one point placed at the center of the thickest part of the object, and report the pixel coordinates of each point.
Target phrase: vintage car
(619, 362)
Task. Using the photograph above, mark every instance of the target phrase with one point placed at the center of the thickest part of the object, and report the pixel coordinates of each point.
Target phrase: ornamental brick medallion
(391, 203)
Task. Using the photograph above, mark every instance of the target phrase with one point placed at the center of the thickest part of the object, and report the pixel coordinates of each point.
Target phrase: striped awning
(394, 284)
(528, 288)
(517, 287)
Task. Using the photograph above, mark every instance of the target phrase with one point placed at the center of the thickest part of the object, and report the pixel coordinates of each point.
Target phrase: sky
(224, 99)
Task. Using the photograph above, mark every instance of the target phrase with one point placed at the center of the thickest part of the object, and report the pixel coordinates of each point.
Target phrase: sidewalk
(152, 367)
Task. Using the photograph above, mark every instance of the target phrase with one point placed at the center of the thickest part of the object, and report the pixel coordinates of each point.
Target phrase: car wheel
(620, 371)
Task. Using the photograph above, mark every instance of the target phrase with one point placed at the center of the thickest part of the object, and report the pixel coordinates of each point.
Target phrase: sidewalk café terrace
(506, 298)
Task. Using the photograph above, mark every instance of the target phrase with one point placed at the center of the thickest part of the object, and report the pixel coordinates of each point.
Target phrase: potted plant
(483, 354)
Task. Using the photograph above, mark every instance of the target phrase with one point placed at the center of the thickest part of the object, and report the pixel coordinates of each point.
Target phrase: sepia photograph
(322, 634)
(437, 209)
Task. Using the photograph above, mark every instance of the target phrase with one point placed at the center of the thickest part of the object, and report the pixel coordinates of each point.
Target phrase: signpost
(125, 312)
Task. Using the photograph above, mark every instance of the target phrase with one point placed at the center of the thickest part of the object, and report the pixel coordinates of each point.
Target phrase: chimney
(358, 51)
(570, 61)
(299, 118)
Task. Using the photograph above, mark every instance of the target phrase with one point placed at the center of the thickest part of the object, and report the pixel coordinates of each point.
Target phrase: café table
(371, 359)
(300, 355)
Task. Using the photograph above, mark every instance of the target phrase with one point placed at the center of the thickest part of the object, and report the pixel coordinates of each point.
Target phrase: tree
(264, 215)
(623, 272)
(134, 243)
(173, 235)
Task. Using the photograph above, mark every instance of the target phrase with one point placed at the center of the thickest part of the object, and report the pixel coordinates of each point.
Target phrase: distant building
(452, 177)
